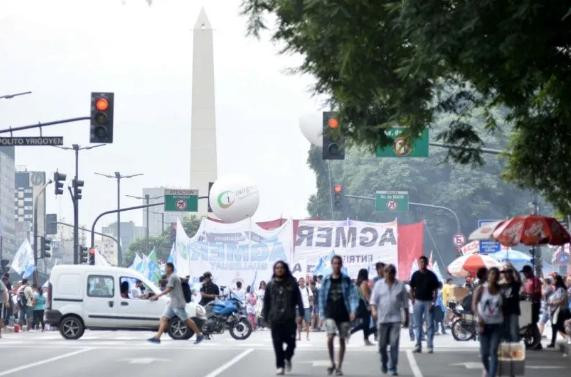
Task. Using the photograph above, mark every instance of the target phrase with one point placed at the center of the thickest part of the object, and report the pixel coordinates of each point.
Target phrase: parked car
(90, 297)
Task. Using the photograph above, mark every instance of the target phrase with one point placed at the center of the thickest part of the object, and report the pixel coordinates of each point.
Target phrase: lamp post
(74, 197)
(35, 213)
(146, 198)
(118, 177)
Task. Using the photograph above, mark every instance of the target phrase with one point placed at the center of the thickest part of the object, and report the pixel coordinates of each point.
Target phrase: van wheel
(178, 330)
(71, 327)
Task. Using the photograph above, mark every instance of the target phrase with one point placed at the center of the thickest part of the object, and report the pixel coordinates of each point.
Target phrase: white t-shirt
(305, 295)
(240, 295)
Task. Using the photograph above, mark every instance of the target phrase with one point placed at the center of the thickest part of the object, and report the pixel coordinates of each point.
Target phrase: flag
(437, 272)
(171, 258)
(23, 261)
(154, 270)
(137, 261)
(324, 265)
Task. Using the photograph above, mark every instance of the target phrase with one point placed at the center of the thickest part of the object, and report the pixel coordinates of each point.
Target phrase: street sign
(402, 147)
(391, 201)
(36, 141)
(488, 246)
(181, 200)
(459, 239)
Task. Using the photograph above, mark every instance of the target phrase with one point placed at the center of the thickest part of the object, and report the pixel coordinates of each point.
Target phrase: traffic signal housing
(77, 186)
(46, 246)
(83, 255)
(92, 256)
(101, 129)
(338, 196)
(59, 181)
(333, 139)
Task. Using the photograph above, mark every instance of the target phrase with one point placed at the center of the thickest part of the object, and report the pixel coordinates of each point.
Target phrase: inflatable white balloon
(311, 126)
(234, 198)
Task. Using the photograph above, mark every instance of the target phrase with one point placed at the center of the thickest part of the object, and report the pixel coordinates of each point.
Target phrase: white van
(85, 296)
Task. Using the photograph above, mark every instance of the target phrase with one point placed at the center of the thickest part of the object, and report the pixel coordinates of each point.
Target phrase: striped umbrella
(468, 265)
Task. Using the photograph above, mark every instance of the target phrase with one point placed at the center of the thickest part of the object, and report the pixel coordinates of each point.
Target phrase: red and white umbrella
(468, 265)
(531, 230)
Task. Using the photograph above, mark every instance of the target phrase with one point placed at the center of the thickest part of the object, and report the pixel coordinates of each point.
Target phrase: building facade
(27, 187)
(8, 241)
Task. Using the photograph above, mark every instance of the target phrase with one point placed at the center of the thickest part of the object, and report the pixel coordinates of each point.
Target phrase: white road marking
(469, 365)
(42, 362)
(144, 360)
(413, 365)
(223, 367)
(321, 363)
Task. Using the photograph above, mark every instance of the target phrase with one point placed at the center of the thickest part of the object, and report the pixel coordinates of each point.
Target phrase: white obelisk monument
(203, 161)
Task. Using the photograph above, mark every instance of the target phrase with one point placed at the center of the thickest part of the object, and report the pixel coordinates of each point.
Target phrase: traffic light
(46, 246)
(83, 255)
(338, 196)
(77, 185)
(333, 140)
(101, 130)
(92, 256)
(59, 181)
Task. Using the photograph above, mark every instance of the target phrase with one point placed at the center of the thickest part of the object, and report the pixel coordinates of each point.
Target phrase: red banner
(410, 246)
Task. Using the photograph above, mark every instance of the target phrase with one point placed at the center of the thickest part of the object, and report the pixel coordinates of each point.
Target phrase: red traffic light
(92, 251)
(338, 188)
(333, 123)
(101, 104)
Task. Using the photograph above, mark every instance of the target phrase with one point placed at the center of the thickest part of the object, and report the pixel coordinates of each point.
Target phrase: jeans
(489, 343)
(283, 333)
(389, 334)
(423, 311)
(511, 331)
(365, 325)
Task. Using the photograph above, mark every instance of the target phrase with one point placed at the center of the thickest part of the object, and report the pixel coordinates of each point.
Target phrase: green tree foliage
(163, 243)
(386, 63)
(473, 193)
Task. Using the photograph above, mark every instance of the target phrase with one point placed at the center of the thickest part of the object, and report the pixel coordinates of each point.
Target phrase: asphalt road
(112, 353)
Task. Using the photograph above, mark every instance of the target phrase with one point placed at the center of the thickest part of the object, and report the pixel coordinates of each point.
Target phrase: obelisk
(203, 159)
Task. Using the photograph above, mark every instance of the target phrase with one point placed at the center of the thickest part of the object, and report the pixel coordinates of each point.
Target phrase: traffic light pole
(35, 223)
(76, 208)
(39, 125)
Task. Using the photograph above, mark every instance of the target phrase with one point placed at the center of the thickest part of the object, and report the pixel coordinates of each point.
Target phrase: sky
(62, 50)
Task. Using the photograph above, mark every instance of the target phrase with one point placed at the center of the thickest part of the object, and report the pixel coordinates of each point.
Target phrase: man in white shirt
(307, 299)
(388, 300)
(239, 293)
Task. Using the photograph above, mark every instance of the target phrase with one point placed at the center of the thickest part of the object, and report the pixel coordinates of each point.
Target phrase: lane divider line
(413, 365)
(223, 367)
(42, 362)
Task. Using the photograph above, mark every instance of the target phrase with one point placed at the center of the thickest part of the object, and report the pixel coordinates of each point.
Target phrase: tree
(163, 243)
(473, 193)
(388, 63)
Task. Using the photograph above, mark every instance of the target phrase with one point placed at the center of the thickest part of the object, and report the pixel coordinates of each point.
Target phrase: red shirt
(532, 288)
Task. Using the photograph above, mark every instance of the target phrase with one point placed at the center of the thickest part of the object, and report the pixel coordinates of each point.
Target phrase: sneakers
(288, 365)
(280, 372)
(417, 349)
(384, 369)
(199, 338)
(338, 372)
(154, 340)
(331, 369)
(394, 373)
(430, 350)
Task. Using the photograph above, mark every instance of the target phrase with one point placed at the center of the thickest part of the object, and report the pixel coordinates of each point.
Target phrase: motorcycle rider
(209, 290)
(281, 298)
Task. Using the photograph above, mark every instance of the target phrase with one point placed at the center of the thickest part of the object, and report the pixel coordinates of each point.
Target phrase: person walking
(260, 304)
(4, 303)
(388, 300)
(487, 304)
(510, 292)
(176, 306)
(532, 289)
(281, 298)
(209, 291)
(363, 310)
(380, 268)
(251, 307)
(39, 308)
(338, 301)
(424, 286)
(558, 306)
(307, 299)
(26, 303)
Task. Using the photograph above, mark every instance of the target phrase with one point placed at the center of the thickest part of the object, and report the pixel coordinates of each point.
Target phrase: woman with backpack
(363, 311)
(281, 298)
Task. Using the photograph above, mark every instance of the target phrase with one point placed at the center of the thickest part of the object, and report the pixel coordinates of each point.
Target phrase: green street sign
(403, 148)
(391, 201)
(181, 200)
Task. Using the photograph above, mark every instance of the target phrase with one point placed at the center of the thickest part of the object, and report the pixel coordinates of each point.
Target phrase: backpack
(186, 290)
(22, 300)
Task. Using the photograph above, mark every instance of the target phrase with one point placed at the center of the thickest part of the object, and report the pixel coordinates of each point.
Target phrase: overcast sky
(64, 49)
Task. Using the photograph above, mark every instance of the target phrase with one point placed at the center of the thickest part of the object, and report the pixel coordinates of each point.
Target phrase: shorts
(334, 328)
(307, 315)
(170, 313)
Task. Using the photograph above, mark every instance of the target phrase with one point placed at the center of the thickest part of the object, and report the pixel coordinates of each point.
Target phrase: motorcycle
(178, 330)
(463, 323)
(227, 313)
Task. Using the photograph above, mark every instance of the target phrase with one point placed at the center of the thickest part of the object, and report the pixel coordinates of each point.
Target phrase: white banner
(360, 244)
(241, 251)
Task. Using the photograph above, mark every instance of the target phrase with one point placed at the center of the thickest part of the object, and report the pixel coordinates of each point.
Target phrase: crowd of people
(22, 304)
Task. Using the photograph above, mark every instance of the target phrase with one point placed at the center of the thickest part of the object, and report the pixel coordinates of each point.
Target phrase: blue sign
(488, 246)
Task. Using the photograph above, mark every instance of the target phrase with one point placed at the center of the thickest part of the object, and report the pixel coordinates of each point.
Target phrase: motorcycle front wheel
(531, 337)
(241, 329)
(462, 332)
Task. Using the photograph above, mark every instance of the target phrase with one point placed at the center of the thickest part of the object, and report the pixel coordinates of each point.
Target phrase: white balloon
(233, 198)
(311, 126)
